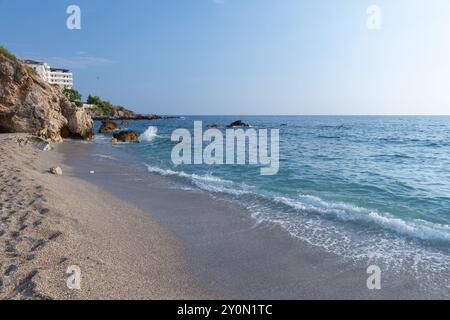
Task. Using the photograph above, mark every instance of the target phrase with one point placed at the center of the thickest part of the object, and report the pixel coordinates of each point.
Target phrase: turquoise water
(361, 187)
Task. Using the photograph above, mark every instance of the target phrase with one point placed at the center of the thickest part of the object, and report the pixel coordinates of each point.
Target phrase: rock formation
(119, 113)
(79, 123)
(237, 123)
(108, 126)
(126, 136)
(28, 104)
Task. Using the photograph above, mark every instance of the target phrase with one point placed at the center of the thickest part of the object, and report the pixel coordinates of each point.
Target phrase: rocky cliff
(119, 113)
(30, 105)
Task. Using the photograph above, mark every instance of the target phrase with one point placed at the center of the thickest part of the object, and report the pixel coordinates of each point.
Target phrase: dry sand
(50, 222)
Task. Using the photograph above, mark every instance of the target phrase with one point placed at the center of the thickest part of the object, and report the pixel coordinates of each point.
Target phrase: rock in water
(237, 123)
(56, 171)
(108, 126)
(28, 104)
(126, 136)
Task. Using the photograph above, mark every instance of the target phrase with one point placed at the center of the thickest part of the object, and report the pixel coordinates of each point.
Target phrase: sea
(372, 188)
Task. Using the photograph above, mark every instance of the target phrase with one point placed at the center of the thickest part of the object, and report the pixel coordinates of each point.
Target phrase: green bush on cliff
(72, 94)
(94, 100)
(104, 107)
(31, 71)
(7, 53)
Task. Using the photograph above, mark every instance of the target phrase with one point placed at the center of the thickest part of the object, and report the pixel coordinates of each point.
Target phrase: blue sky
(244, 56)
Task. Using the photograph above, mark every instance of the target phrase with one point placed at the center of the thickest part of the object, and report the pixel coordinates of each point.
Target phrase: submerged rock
(238, 123)
(28, 104)
(108, 126)
(126, 136)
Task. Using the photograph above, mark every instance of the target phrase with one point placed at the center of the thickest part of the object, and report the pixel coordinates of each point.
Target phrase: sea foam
(149, 135)
(346, 212)
(205, 182)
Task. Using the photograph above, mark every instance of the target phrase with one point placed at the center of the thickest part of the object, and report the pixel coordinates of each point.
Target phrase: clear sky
(244, 56)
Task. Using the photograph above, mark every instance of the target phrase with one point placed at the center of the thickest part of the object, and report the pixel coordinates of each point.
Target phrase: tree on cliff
(104, 107)
(72, 94)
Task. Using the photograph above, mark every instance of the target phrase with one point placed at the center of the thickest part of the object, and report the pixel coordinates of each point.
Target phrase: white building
(61, 77)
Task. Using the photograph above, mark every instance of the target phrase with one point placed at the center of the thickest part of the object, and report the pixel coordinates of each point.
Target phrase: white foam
(104, 156)
(205, 182)
(100, 138)
(149, 135)
(415, 228)
(389, 250)
(418, 229)
(312, 225)
(168, 172)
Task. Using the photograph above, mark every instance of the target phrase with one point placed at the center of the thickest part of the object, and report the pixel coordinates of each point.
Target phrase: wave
(394, 156)
(328, 137)
(168, 172)
(416, 229)
(104, 156)
(419, 229)
(205, 182)
(149, 135)
(352, 232)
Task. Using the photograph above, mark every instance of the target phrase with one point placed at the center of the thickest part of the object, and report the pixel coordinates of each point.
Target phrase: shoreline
(49, 223)
(228, 250)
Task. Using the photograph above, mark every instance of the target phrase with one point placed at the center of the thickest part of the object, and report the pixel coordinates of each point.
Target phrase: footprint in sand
(37, 223)
(38, 245)
(15, 235)
(10, 270)
(55, 236)
(44, 211)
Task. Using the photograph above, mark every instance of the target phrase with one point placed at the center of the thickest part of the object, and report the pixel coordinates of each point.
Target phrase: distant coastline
(137, 117)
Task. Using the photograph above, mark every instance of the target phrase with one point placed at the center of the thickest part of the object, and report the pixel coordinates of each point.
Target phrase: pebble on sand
(56, 171)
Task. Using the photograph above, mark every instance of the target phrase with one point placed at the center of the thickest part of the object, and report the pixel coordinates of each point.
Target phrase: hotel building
(61, 77)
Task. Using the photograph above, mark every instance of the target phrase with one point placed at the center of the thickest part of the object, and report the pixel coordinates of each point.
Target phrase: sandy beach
(135, 235)
(50, 222)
